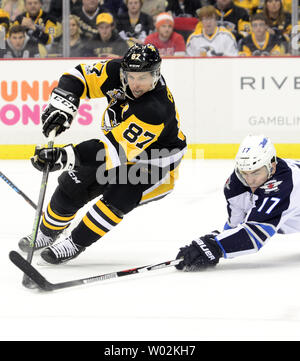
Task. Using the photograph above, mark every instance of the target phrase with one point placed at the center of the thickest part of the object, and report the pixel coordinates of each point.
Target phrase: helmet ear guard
(255, 152)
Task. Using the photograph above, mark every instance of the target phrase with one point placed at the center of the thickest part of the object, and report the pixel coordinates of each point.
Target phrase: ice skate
(41, 241)
(62, 251)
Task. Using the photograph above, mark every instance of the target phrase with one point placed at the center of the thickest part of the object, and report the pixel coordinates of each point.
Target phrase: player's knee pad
(73, 188)
(62, 203)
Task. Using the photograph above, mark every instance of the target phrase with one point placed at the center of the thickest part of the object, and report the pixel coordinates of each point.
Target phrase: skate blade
(41, 262)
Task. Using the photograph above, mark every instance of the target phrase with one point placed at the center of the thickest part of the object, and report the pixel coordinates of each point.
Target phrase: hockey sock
(55, 222)
(99, 220)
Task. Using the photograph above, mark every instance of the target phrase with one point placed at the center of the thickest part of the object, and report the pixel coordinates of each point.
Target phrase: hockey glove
(60, 111)
(201, 253)
(57, 158)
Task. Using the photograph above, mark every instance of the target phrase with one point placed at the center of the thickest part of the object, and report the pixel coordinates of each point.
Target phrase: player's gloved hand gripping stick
(27, 282)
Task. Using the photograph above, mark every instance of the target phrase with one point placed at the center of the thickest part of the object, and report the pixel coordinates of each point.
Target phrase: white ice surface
(254, 297)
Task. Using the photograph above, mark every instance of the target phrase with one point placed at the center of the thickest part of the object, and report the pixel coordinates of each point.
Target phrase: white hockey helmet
(255, 152)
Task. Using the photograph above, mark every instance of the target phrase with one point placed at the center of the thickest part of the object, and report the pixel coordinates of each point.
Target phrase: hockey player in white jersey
(262, 197)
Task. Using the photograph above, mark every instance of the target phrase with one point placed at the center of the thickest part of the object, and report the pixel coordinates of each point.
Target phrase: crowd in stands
(107, 28)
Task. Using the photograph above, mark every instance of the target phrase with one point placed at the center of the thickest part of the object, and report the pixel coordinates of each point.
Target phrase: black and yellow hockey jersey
(282, 28)
(147, 126)
(250, 47)
(235, 19)
(282, 25)
(4, 20)
(47, 27)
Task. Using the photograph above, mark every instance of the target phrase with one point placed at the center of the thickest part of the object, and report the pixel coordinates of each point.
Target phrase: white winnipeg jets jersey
(255, 217)
(221, 43)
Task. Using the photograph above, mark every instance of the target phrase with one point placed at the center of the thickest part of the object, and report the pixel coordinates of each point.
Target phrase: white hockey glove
(60, 111)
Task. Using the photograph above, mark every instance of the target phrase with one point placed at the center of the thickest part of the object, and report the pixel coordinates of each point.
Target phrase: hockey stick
(15, 188)
(45, 285)
(26, 280)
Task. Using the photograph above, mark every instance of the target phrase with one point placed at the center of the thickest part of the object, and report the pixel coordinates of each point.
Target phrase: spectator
(249, 5)
(260, 42)
(211, 40)
(278, 21)
(55, 8)
(87, 15)
(185, 8)
(4, 26)
(39, 25)
(154, 7)
(4, 21)
(13, 7)
(185, 15)
(134, 25)
(233, 18)
(115, 7)
(20, 45)
(167, 41)
(107, 43)
(76, 41)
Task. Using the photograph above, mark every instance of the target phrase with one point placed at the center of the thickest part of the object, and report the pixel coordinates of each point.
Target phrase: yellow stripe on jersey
(108, 160)
(160, 189)
(93, 227)
(108, 212)
(135, 135)
(180, 135)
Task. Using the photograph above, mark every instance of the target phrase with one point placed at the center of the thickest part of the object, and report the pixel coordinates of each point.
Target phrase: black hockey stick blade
(30, 271)
(45, 285)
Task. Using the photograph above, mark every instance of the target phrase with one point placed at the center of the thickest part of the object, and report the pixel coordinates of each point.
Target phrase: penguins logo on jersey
(116, 94)
(271, 186)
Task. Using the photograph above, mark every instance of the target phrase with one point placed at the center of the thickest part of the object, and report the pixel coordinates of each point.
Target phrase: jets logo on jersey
(271, 186)
(227, 183)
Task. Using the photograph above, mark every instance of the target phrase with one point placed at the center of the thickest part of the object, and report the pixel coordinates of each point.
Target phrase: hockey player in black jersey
(134, 161)
(262, 197)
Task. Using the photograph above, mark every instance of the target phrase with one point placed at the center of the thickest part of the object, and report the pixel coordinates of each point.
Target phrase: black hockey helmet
(141, 57)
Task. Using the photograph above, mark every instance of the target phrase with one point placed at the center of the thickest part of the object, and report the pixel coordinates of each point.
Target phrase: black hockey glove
(60, 111)
(201, 253)
(57, 158)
